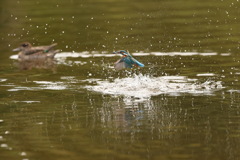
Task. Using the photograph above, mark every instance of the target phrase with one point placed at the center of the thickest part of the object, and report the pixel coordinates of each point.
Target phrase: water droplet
(4, 145)
(23, 153)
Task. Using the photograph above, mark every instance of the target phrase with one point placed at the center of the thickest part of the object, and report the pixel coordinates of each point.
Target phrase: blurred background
(108, 25)
(184, 104)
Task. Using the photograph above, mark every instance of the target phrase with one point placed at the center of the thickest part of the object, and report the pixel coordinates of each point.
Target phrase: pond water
(184, 104)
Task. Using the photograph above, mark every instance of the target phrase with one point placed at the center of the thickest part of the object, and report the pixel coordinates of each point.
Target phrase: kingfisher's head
(122, 52)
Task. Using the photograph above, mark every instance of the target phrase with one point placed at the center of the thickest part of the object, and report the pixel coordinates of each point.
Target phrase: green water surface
(66, 121)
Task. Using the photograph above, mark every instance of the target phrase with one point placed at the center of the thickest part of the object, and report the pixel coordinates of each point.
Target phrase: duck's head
(122, 52)
(23, 46)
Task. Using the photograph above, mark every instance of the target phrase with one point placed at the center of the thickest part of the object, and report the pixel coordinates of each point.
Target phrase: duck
(127, 61)
(28, 52)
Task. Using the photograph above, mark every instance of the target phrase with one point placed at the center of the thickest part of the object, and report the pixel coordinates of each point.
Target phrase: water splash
(142, 86)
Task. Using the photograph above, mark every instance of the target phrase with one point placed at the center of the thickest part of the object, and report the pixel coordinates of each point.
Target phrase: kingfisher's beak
(115, 52)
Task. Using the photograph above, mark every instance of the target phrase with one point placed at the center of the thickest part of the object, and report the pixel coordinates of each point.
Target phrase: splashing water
(141, 86)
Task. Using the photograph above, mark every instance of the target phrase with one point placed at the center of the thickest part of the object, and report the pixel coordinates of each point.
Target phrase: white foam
(2, 80)
(42, 85)
(87, 54)
(159, 54)
(175, 53)
(45, 82)
(206, 74)
(68, 54)
(208, 54)
(51, 85)
(27, 101)
(141, 54)
(225, 54)
(19, 88)
(145, 86)
(84, 54)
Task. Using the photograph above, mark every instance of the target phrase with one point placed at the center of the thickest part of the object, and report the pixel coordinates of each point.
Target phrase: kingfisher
(27, 52)
(127, 61)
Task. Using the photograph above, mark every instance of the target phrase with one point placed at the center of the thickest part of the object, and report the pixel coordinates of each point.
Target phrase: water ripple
(87, 54)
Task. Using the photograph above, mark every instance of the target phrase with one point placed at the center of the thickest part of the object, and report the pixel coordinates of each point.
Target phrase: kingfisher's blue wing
(127, 62)
(137, 62)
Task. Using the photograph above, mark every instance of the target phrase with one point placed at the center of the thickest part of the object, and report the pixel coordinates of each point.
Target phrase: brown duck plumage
(28, 52)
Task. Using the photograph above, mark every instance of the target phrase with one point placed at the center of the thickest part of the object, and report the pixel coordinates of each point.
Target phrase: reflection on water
(157, 124)
(39, 64)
